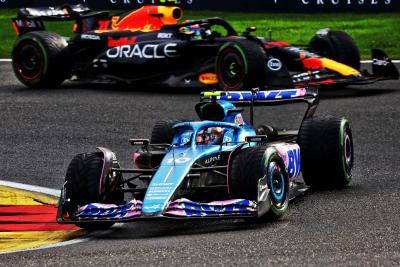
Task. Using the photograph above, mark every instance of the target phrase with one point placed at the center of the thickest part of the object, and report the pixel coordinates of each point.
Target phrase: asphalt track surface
(41, 130)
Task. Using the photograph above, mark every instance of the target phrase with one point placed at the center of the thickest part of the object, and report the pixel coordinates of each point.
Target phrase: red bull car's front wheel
(240, 64)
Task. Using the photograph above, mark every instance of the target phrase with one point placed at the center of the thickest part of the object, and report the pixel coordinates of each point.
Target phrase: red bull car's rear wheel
(336, 45)
(40, 59)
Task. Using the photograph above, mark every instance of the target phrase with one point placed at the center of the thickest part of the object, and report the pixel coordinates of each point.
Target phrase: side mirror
(256, 138)
(139, 142)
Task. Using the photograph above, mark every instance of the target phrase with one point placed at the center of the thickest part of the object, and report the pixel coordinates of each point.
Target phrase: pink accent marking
(134, 202)
(169, 174)
(176, 203)
(302, 92)
(176, 212)
(347, 143)
(217, 203)
(135, 156)
(283, 149)
(102, 172)
(132, 213)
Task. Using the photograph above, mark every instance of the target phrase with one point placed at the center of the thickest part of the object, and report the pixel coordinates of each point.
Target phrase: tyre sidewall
(16, 61)
(238, 52)
(345, 133)
(252, 61)
(248, 167)
(339, 46)
(323, 143)
(56, 59)
(276, 211)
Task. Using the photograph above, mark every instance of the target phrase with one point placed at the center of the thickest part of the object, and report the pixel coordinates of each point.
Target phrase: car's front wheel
(252, 164)
(240, 64)
(82, 186)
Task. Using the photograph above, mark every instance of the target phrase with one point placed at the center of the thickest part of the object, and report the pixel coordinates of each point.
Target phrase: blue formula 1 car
(218, 167)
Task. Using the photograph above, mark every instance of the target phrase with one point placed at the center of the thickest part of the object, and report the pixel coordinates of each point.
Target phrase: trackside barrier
(300, 6)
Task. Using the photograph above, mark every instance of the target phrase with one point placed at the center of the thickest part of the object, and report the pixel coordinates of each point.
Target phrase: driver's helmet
(216, 136)
(210, 136)
(196, 30)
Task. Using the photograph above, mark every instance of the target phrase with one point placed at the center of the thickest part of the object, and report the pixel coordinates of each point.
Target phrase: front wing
(178, 209)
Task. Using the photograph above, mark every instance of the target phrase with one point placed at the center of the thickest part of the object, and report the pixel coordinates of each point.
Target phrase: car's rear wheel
(336, 45)
(327, 153)
(41, 59)
(267, 130)
(252, 164)
(163, 132)
(82, 187)
(240, 64)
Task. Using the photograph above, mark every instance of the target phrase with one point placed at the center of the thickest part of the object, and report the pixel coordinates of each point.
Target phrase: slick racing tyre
(240, 64)
(336, 45)
(163, 132)
(267, 130)
(40, 59)
(82, 186)
(252, 164)
(327, 154)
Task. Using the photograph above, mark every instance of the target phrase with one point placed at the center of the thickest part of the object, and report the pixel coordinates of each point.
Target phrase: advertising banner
(229, 5)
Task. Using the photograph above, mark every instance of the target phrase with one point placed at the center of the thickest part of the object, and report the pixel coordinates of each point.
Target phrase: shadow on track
(325, 93)
(173, 228)
(353, 92)
(123, 87)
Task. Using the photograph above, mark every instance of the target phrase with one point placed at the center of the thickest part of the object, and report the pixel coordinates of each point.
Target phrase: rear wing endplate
(31, 19)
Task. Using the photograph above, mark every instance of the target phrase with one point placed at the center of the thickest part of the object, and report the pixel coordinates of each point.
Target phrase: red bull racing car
(150, 46)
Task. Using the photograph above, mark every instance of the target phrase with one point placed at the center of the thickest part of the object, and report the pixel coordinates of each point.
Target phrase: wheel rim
(348, 151)
(277, 185)
(230, 68)
(29, 60)
(347, 147)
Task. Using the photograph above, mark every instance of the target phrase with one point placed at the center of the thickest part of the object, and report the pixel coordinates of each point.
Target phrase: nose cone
(163, 185)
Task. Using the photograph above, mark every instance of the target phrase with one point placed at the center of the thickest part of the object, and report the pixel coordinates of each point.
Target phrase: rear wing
(267, 98)
(64, 12)
(31, 19)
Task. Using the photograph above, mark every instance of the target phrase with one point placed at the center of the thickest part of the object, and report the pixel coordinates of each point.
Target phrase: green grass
(368, 30)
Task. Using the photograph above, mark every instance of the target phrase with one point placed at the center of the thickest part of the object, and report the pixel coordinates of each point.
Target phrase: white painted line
(370, 61)
(52, 192)
(38, 189)
(362, 61)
